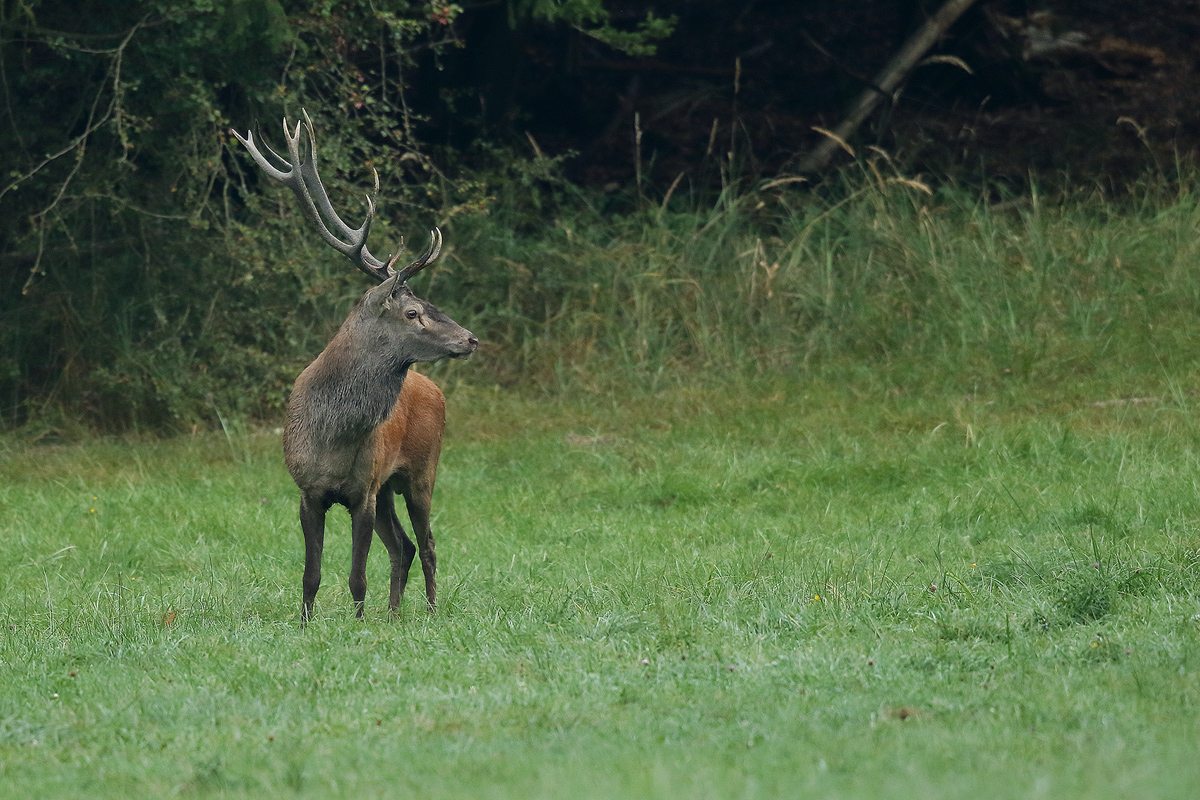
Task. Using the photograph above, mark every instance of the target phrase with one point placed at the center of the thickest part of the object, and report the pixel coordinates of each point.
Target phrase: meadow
(806, 588)
(939, 541)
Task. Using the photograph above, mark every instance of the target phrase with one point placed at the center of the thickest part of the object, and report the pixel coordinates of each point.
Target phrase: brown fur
(406, 450)
(409, 442)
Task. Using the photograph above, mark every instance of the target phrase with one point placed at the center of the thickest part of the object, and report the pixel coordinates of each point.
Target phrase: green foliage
(145, 283)
(591, 18)
(151, 278)
(639, 42)
(253, 26)
(169, 285)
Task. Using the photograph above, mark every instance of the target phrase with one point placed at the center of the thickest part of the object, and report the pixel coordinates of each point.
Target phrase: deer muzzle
(470, 345)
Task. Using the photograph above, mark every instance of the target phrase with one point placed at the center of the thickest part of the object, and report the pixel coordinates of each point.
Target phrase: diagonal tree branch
(887, 81)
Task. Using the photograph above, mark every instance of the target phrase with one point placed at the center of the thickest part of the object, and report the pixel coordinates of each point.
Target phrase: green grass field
(775, 588)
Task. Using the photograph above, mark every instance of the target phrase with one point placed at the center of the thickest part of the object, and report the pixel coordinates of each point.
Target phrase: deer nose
(471, 340)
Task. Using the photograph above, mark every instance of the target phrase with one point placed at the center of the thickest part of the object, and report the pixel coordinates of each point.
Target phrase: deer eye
(411, 313)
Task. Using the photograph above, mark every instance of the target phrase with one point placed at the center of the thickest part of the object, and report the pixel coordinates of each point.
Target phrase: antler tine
(271, 152)
(359, 253)
(300, 185)
(313, 181)
(305, 182)
(435, 249)
(263, 163)
(427, 258)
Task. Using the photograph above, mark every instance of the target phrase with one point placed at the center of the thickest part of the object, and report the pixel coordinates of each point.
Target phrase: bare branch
(93, 124)
(79, 145)
(886, 83)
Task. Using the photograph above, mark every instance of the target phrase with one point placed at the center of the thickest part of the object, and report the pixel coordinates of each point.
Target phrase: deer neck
(353, 386)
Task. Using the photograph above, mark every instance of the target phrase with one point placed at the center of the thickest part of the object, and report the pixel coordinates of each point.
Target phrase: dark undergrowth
(917, 283)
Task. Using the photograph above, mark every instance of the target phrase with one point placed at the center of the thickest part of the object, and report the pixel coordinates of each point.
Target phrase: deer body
(358, 434)
(361, 427)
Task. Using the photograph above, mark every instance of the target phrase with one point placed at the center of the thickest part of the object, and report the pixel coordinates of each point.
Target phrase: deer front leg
(362, 527)
(312, 522)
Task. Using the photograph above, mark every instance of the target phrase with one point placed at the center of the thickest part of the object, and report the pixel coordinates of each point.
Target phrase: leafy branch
(590, 18)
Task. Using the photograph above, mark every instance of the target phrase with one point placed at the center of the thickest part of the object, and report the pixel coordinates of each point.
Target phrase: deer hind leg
(312, 522)
(419, 499)
(400, 548)
(362, 524)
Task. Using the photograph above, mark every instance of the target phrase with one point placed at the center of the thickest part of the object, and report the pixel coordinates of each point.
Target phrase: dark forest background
(152, 279)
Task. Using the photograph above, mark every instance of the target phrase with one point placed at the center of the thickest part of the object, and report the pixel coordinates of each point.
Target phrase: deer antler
(302, 178)
(428, 257)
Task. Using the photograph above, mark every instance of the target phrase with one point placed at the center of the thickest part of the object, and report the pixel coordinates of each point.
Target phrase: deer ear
(378, 299)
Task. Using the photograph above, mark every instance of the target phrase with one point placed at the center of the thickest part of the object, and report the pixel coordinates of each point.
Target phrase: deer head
(390, 318)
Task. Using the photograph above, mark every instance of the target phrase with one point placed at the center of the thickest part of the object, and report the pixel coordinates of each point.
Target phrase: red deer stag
(361, 428)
